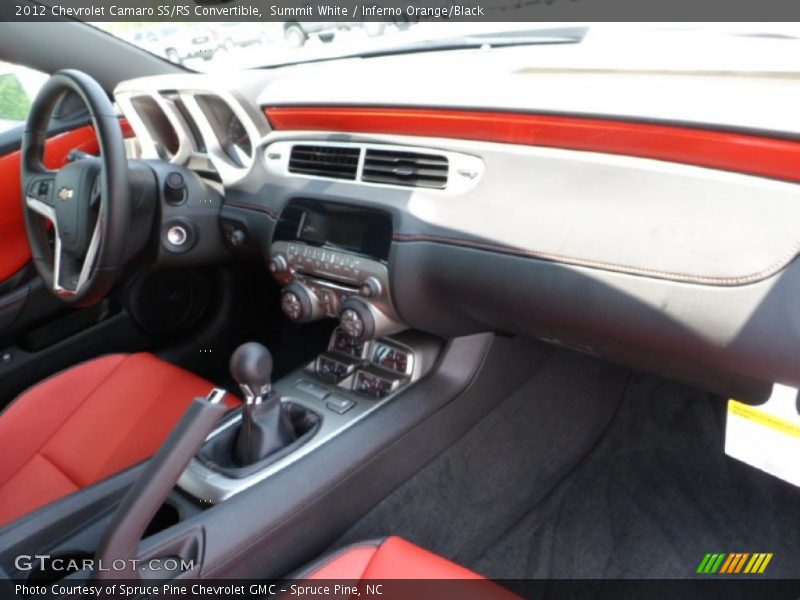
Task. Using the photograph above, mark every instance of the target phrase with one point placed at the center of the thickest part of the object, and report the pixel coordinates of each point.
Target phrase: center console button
(312, 389)
(333, 369)
(339, 404)
(374, 385)
(330, 302)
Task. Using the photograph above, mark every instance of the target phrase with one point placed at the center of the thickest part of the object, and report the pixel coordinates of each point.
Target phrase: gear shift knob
(251, 367)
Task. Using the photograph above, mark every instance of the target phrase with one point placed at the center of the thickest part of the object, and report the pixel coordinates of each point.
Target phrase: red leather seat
(87, 423)
(394, 558)
(391, 558)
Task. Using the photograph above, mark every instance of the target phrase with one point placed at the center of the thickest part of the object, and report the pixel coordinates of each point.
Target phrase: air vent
(405, 168)
(339, 162)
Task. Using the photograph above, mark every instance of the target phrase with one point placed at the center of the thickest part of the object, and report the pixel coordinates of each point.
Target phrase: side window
(18, 86)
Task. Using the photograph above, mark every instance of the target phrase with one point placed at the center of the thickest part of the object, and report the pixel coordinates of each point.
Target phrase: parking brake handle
(140, 504)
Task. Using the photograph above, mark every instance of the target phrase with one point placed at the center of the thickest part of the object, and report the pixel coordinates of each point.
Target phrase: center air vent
(339, 162)
(405, 168)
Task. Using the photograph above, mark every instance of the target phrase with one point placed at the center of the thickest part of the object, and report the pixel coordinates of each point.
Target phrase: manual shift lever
(264, 428)
(251, 368)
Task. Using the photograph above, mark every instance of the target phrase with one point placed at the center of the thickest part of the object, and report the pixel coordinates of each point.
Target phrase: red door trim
(15, 253)
(729, 151)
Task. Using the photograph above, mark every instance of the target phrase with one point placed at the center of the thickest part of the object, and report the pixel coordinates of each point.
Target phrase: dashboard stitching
(683, 277)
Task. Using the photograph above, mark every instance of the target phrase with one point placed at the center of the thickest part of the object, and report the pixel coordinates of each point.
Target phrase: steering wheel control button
(339, 404)
(177, 235)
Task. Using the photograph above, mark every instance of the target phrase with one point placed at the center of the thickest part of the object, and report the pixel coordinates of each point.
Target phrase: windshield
(681, 46)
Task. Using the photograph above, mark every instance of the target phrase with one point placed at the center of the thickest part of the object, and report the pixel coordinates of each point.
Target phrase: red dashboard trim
(729, 151)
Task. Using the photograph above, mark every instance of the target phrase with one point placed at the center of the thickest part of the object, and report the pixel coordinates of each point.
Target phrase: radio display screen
(338, 226)
(317, 228)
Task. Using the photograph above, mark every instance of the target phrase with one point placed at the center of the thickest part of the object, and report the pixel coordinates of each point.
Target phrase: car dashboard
(620, 214)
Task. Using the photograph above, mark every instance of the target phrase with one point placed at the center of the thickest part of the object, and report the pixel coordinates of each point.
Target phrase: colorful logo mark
(735, 563)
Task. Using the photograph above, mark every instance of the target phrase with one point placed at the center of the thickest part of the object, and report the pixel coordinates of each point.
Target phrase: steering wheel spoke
(41, 207)
(70, 274)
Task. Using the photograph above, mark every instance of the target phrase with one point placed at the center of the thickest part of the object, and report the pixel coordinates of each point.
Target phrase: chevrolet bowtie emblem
(65, 193)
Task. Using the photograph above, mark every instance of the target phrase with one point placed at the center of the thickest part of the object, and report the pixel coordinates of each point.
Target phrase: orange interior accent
(87, 423)
(349, 565)
(394, 558)
(13, 241)
(729, 151)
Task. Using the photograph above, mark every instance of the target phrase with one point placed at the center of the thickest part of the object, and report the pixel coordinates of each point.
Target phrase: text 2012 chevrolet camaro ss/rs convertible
(500, 304)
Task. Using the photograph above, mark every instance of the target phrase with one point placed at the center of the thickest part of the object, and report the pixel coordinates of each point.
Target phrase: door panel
(12, 227)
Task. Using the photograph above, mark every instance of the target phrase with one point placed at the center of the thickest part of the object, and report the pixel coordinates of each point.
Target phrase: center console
(332, 260)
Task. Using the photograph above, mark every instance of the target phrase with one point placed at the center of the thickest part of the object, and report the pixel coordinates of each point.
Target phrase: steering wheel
(87, 201)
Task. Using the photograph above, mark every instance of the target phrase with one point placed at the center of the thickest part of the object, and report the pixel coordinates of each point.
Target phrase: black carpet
(588, 471)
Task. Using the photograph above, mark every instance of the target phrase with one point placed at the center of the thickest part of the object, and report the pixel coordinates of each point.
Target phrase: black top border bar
(399, 10)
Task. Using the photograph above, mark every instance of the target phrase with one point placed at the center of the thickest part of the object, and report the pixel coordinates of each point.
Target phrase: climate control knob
(291, 306)
(300, 303)
(356, 319)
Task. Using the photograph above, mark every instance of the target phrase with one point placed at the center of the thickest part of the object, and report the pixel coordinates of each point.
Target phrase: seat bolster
(38, 482)
(399, 559)
(391, 558)
(351, 563)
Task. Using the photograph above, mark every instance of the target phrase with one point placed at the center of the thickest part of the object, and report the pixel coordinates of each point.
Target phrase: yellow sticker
(764, 419)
